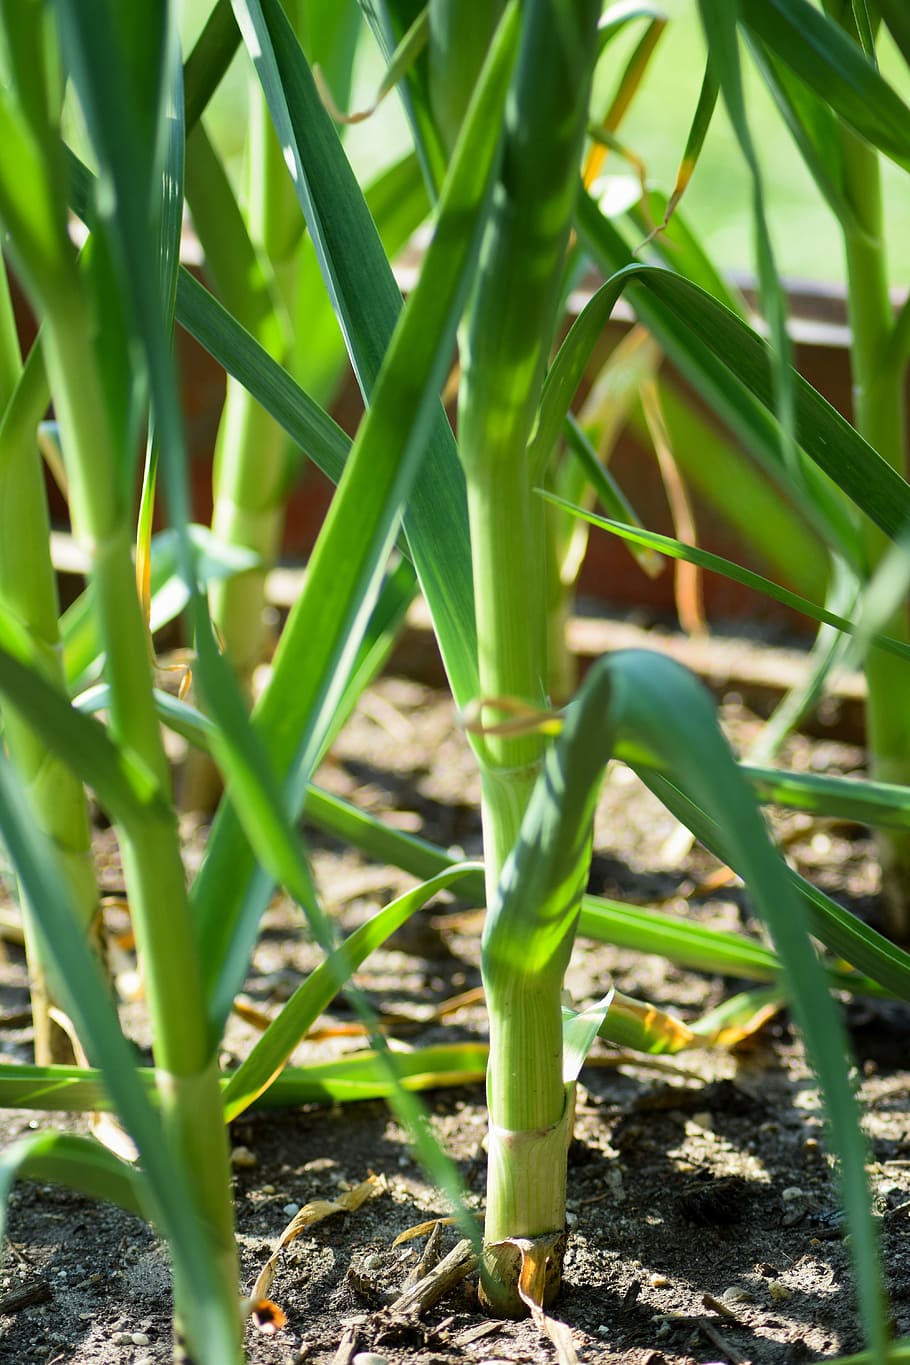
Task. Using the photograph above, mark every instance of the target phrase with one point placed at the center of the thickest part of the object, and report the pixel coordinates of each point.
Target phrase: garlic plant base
(516, 1274)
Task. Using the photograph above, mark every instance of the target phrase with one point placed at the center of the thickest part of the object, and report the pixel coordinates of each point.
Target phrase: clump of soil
(704, 1214)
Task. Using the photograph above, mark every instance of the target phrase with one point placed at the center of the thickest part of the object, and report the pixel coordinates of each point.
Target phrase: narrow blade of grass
(704, 559)
(814, 128)
(720, 24)
(841, 798)
(209, 60)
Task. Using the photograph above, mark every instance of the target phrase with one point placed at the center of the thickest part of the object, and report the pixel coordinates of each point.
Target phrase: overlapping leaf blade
(367, 303)
(79, 1163)
(854, 942)
(270, 1054)
(821, 54)
(826, 437)
(728, 394)
(323, 633)
(704, 559)
(651, 712)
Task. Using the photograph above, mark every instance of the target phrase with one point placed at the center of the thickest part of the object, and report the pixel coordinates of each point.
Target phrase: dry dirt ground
(704, 1217)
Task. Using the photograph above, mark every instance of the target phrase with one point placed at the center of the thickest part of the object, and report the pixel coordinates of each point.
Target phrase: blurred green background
(717, 204)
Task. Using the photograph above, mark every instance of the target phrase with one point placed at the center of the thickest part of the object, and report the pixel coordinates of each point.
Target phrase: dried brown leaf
(313, 1212)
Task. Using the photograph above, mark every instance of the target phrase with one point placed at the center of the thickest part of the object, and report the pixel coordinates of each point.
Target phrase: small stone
(790, 1193)
(242, 1159)
(369, 1358)
(373, 1262)
(571, 1219)
(736, 1294)
(140, 1339)
(659, 1282)
(778, 1290)
(290, 1210)
(811, 1144)
(122, 1339)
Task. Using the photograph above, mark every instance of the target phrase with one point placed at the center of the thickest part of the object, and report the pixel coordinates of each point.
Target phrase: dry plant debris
(267, 1316)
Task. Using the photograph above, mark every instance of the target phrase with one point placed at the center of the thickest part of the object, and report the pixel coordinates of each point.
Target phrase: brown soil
(703, 1213)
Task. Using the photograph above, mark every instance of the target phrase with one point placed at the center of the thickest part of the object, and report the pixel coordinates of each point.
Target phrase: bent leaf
(692, 554)
(649, 711)
(80, 1164)
(826, 437)
(855, 942)
(309, 1000)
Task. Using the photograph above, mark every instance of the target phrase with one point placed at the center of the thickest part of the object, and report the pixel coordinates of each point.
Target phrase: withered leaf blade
(313, 1212)
(536, 1255)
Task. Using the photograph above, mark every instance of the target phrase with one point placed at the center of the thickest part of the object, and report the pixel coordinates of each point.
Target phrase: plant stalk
(28, 590)
(511, 637)
(250, 477)
(505, 347)
(251, 465)
(186, 1067)
(879, 416)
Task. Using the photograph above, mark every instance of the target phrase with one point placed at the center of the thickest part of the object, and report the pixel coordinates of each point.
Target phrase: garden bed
(704, 1217)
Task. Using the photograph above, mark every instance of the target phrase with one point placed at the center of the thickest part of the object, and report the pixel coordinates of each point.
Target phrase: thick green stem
(154, 873)
(250, 470)
(460, 33)
(880, 416)
(527, 1188)
(249, 490)
(505, 347)
(250, 479)
(28, 591)
(511, 638)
